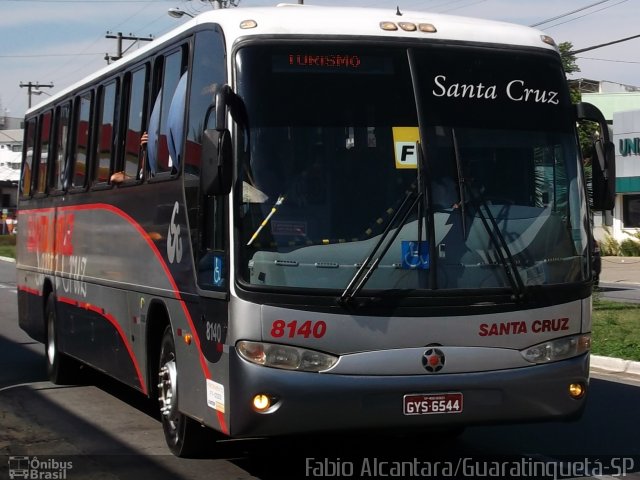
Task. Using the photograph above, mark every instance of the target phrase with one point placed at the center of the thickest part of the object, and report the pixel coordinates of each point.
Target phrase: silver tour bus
(301, 219)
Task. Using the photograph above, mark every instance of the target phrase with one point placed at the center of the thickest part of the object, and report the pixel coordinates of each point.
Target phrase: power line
(37, 86)
(585, 15)
(119, 37)
(607, 60)
(49, 55)
(82, 1)
(557, 17)
(581, 50)
(462, 6)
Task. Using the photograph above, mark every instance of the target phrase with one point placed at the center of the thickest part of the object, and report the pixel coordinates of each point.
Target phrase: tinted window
(631, 211)
(27, 163)
(137, 84)
(206, 218)
(160, 160)
(106, 131)
(45, 135)
(82, 129)
(61, 141)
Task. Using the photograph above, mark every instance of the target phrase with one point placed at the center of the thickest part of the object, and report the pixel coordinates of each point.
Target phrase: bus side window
(45, 137)
(82, 125)
(27, 158)
(206, 214)
(135, 106)
(106, 132)
(158, 147)
(61, 138)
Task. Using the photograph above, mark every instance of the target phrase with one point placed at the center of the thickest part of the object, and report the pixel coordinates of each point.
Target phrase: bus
(303, 219)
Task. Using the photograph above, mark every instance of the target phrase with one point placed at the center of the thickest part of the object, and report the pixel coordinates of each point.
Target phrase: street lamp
(177, 13)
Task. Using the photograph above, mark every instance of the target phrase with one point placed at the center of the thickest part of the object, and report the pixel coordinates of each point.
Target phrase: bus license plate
(433, 403)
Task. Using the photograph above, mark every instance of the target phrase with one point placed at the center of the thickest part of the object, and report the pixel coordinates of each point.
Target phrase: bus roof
(295, 19)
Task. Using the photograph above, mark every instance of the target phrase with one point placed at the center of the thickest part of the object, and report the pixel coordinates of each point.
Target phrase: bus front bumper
(305, 403)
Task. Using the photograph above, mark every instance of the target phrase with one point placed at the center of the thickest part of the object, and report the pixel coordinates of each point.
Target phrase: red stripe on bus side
(32, 291)
(112, 320)
(174, 286)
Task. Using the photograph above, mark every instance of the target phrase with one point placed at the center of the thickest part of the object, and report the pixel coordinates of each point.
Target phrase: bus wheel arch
(157, 322)
(185, 437)
(61, 369)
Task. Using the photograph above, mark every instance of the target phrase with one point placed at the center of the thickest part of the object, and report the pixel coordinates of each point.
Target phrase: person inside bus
(119, 177)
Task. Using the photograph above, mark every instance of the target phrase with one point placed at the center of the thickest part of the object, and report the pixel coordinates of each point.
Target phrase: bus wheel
(185, 437)
(61, 369)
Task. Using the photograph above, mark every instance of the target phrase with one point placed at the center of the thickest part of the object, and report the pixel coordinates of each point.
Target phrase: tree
(586, 130)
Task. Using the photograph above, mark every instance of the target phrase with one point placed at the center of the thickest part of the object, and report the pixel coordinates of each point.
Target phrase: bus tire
(184, 436)
(61, 369)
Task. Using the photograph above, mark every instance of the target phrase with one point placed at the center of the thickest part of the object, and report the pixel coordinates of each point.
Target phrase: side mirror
(217, 161)
(604, 162)
(603, 176)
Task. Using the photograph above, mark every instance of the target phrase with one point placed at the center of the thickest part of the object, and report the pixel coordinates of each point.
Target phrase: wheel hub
(166, 388)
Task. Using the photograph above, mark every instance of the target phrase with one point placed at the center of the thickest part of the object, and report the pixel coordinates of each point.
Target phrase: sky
(60, 41)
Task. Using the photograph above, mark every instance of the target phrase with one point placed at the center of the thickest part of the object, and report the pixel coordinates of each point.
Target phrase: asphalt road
(620, 279)
(100, 430)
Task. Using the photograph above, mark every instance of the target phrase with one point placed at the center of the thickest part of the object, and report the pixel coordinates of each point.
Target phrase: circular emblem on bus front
(433, 360)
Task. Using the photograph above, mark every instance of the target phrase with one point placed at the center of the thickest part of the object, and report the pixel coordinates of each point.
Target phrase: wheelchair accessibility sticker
(218, 271)
(415, 255)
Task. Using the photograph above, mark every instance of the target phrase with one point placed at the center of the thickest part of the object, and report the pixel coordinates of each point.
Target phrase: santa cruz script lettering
(515, 91)
(520, 327)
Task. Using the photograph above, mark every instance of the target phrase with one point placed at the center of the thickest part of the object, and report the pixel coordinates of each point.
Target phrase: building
(620, 105)
(626, 138)
(10, 160)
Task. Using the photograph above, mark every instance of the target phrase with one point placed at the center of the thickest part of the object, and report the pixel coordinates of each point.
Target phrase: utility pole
(30, 86)
(119, 37)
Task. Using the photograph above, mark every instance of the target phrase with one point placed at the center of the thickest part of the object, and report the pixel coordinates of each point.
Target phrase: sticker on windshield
(405, 141)
(415, 255)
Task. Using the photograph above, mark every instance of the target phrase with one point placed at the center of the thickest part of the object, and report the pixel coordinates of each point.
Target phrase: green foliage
(568, 59)
(615, 330)
(8, 246)
(8, 240)
(630, 248)
(609, 247)
(586, 130)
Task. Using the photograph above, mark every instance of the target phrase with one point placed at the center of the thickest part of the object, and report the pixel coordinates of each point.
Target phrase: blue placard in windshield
(415, 255)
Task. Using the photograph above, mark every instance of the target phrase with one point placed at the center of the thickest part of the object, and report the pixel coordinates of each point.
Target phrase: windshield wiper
(501, 247)
(493, 229)
(370, 263)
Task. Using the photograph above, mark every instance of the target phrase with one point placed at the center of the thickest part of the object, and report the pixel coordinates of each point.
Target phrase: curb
(615, 365)
(8, 259)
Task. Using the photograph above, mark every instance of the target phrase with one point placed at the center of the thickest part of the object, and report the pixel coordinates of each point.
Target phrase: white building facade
(626, 137)
(10, 161)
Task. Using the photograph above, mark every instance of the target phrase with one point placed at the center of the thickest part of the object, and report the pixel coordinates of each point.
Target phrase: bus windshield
(340, 135)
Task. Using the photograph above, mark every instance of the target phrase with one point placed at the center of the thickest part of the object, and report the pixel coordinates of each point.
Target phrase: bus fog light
(577, 390)
(261, 402)
(285, 356)
(558, 349)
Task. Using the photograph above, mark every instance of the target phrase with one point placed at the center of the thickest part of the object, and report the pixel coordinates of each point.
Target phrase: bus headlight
(285, 356)
(558, 349)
